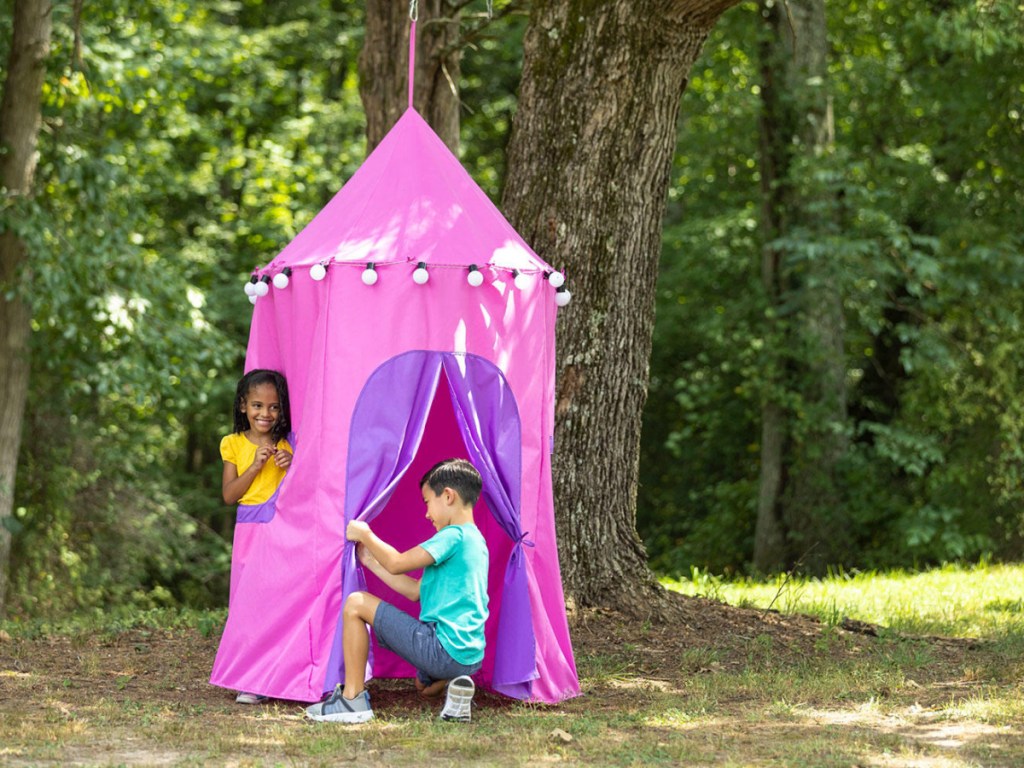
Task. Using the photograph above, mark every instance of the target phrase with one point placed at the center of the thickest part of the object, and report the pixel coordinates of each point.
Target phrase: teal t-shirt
(453, 591)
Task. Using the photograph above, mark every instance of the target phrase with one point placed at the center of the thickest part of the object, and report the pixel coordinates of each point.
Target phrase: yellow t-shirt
(241, 452)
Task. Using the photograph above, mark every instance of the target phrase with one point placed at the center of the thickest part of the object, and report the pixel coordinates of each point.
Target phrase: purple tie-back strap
(515, 663)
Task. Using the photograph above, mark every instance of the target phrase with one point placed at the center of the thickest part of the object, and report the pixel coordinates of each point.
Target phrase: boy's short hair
(457, 474)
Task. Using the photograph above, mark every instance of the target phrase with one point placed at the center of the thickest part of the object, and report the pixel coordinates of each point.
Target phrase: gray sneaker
(459, 701)
(338, 709)
(250, 698)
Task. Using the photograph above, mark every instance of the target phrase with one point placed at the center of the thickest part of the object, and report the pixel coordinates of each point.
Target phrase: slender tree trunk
(770, 551)
(588, 169)
(384, 68)
(20, 120)
(800, 508)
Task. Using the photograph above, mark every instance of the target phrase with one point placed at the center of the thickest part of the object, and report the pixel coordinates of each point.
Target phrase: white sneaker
(459, 701)
(250, 698)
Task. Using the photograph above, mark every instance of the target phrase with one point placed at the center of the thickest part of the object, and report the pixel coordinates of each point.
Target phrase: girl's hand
(283, 459)
(357, 531)
(263, 453)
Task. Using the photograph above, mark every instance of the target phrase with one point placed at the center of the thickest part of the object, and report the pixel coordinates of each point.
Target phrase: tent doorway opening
(415, 410)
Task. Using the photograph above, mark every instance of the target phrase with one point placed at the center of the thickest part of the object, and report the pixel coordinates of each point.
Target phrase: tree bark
(800, 509)
(770, 551)
(588, 169)
(384, 64)
(20, 121)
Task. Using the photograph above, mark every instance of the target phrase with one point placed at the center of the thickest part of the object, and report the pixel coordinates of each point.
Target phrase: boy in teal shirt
(446, 643)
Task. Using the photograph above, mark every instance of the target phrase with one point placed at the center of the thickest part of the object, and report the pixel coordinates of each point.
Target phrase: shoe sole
(460, 696)
(342, 717)
(251, 701)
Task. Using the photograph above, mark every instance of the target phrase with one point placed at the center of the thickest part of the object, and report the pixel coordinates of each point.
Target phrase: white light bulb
(261, 288)
(252, 299)
(557, 279)
(250, 288)
(369, 276)
(475, 278)
(280, 280)
(420, 274)
(521, 281)
(562, 298)
(318, 272)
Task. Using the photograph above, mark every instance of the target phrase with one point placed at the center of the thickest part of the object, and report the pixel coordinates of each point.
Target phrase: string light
(259, 285)
(281, 278)
(557, 279)
(370, 274)
(420, 274)
(475, 276)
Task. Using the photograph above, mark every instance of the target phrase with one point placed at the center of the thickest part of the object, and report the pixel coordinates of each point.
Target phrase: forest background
(184, 144)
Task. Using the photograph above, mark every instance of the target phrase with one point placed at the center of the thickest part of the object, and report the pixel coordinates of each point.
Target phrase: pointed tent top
(410, 201)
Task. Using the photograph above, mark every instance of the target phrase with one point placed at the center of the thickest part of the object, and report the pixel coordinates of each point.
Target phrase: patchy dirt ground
(148, 671)
(166, 666)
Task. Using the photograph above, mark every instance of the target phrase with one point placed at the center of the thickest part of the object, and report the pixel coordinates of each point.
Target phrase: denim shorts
(417, 643)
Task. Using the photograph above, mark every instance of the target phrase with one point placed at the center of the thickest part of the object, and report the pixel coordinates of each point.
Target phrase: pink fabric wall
(327, 338)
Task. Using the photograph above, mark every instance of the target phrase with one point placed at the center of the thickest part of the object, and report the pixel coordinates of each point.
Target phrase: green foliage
(187, 145)
(184, 144)
(491, 63)
(924, 182)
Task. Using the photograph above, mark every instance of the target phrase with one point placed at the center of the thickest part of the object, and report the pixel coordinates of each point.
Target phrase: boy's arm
(393, 561)
(404, 585)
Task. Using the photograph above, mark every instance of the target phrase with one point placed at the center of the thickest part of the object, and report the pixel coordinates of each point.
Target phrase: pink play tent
(412, 324)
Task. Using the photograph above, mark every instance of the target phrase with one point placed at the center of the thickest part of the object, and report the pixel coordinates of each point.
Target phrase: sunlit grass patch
(992, 706)
(978, 601)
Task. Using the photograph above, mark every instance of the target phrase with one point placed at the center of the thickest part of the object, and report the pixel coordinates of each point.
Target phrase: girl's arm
(404, 585)
(234, 485)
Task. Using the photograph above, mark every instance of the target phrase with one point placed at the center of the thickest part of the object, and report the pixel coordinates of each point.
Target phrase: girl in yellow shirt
(256, 456)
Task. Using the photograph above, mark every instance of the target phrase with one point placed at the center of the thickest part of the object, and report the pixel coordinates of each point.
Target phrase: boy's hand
(283, 459)
(357, 531)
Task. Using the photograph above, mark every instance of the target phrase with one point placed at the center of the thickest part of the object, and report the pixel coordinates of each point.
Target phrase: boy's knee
(358, 605)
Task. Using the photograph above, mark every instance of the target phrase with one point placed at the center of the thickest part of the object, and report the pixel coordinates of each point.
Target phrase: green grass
(980, 601)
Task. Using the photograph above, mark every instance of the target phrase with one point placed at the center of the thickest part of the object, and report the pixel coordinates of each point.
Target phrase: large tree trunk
(384, 68)
(800, 509)
(588, 168)
(20, 120)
